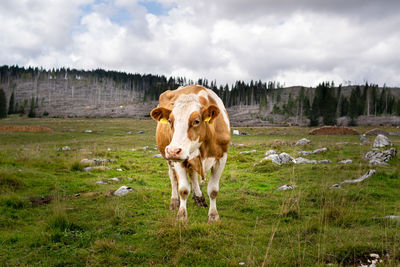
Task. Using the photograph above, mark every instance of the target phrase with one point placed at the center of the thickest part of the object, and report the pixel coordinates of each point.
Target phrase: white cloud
(295, 42)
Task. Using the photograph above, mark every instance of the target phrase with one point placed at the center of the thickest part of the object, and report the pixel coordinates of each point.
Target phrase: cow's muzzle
(174, 153)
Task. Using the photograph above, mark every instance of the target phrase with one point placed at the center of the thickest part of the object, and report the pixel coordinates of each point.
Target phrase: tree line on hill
(326, 101)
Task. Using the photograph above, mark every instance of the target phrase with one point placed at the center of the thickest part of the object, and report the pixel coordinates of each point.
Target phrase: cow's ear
(210, 113)
(160, 114)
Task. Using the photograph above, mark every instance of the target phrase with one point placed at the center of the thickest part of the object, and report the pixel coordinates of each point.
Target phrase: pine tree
(3, 104)
(32, 113)
(11, 109)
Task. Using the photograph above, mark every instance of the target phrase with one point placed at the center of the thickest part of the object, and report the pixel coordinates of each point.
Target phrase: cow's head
(188, 121)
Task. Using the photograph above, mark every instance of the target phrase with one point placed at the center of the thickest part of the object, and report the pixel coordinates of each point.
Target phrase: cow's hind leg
(213, 187)
(197, 195)
(174, 202)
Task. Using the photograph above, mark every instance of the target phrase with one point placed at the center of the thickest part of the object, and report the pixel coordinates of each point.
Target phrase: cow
(193, 135)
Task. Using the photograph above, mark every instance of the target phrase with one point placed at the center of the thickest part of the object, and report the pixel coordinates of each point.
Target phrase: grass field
(310, 225)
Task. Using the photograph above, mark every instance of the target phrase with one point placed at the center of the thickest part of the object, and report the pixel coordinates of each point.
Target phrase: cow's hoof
(182, 215)
(200, 201)
(174, 204)
(202, 181)
(213, 216)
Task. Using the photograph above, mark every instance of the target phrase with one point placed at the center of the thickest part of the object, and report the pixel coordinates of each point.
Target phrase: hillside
(98, 93)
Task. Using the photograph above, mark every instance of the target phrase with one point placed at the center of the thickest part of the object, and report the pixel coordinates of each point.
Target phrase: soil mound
(25, 129)
(376, 131)
(334, 130)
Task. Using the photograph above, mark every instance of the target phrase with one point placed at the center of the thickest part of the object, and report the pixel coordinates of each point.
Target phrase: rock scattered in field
(42, 200)
(346, 161)
(119, 169)
(235, 132)
(301, 160)
(123, 190)
(157, 156)
(380, 157)
(390, 217)
(270, 152)
(362, 178)
(373, 260)
(145, 147)
(114, 179)
(96, 168)
(319, 150)
(95, 161)
(88, 131)
(283, 158)
(244, 133)
(363, 139)
(324, 161)
(64, 148)
(286, 187)
(141, 132)
(101, 182)
(382, 141)
(303, 141)
(248, 152)
(342, 143)
(376, 131)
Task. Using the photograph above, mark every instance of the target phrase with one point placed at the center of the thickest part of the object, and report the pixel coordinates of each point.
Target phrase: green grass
(311, 225)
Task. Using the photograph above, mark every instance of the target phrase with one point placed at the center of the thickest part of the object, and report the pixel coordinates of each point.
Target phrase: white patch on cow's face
(184, 106)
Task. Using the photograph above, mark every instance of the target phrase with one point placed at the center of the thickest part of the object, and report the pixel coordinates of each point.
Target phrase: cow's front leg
(197, 195)
(174, 202)
(183, 190)
(213, 187)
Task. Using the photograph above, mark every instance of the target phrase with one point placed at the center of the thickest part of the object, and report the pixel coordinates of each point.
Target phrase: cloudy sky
(296, 42)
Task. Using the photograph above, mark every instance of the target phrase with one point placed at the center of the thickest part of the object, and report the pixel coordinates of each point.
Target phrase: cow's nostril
(178, 151)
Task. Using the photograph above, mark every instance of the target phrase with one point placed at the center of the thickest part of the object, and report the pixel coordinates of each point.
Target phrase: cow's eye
(196, 122)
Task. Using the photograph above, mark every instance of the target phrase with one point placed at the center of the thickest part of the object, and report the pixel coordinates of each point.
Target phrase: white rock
(319, 150)
(114, 179)
(346, 161)
(88, 131)
(362, 178)
(248, 152)
(324, 161)
(123, 190)
(376, 157)
(101, 182)
(382, 141)
(301, 160)
(285, 158)
(145, 147)
(119, 169)
(270, 152)
(87, 162)
(96, 168)
(274, 158)
(303, 141)
(286, 187)
(157, 156)
(236, 132)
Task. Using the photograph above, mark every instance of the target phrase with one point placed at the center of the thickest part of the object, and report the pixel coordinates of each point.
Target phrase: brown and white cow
(193, 135)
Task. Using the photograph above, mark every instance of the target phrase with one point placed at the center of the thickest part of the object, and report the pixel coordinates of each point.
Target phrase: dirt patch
(376, 131)
(25, 129)
(334, 130)
(41, 200)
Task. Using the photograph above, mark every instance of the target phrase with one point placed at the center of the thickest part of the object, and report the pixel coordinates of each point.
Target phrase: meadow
(52, 213)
